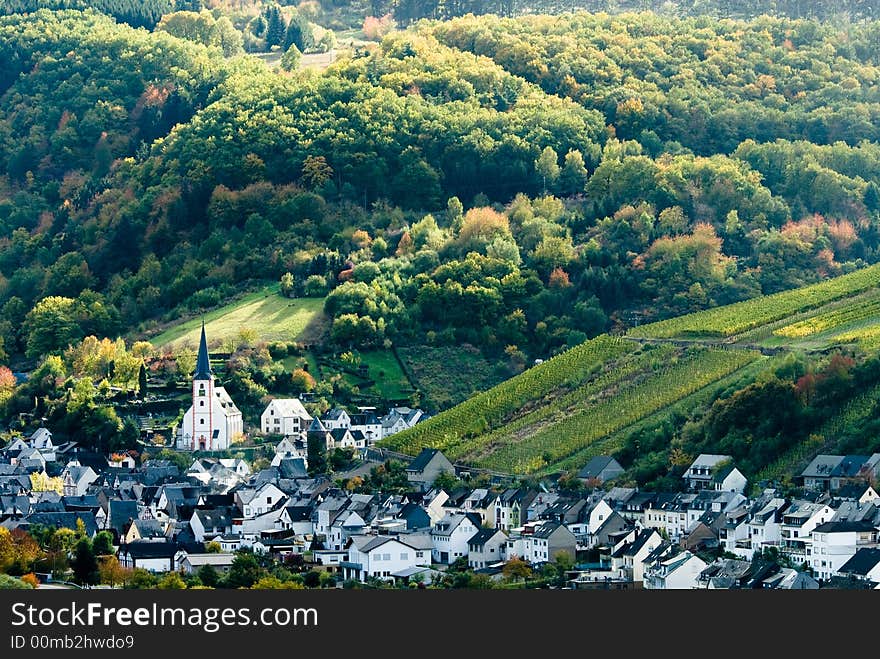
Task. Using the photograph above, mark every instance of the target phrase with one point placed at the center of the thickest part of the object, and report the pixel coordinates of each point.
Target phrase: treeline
(434, 194)
(137, 13)
(408, 11)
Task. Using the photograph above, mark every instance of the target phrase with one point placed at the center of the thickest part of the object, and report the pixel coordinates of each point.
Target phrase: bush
(11, 583)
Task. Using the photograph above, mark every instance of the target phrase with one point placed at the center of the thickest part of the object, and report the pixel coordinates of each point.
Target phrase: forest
(519, 185)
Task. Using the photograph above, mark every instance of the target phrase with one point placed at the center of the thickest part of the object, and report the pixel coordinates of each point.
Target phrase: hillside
(698, 382)
(265, 314)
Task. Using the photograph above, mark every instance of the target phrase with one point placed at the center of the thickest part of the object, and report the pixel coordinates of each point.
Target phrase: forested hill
(519, 185)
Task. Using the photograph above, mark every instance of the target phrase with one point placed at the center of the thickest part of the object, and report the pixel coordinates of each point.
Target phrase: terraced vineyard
(490, 408)
(632, 401)
(736, 318)
(543, 416)
(831, 320)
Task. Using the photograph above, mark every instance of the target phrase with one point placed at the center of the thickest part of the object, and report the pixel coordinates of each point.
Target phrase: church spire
(203, 365)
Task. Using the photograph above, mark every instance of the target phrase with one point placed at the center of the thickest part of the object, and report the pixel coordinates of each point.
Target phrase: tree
(102, 545)
(208, 576)
(84, 563)
(299, 33)
(547, 166)
(51, 326)
(275, 27)
(515, 569)
(291, 58)
(111, 572)
(244, 572)
(287, 285)
(142, 381)
(213, 547)
(574, 174)
(171, 581)
(316, 172)
(316, 453)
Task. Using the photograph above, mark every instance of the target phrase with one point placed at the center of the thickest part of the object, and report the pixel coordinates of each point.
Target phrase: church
(213, 421)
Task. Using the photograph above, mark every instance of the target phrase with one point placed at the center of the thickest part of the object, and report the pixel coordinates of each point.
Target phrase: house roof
(821, 466)
(150, 549)
(598, 464)
(864, 560)
(849, 466)
(290, 407)
(335, 414)
(709, 460)
(422, 459)
(483, 536)
(845, 527)
(222, 559)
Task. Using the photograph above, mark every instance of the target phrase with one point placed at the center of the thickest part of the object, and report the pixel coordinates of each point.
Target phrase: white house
(257, 501)
(191, 563)
(699, 475)
(486, 547)
(77, 479)
(381, 556)
(335, 419)
(213, 421)
(41, 440)
(450, 536)
(835, 543)
(680, 571)
(864, 565)
(368, 423)
(798, 522)
(285, 416)
(627, 557)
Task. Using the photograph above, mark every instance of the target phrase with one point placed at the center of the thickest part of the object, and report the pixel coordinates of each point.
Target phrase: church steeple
(203, 364)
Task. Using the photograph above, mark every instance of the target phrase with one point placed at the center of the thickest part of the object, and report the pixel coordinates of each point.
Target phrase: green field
(272, 317)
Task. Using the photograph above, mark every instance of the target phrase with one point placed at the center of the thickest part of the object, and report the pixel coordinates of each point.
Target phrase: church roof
(203, 364)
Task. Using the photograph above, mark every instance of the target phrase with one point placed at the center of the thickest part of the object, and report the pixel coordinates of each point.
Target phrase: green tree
(299, 33)
(287, 285)
(316, 172)
(291, 58)
(573, 176)
(142, 381)
(547, 167)
(84, 563)
(51, 326)
(171, 581)
(102, 545)
(208, 576)
(245, 570)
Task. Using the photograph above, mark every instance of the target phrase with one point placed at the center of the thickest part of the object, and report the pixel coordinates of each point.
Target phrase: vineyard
(832, 320)
(563, 406)
(490, 408)
(740, 317)
(592, 422)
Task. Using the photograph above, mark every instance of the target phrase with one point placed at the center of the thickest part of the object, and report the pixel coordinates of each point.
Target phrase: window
(420, 554)
(404, 556)
(202, 421)
(201, 403)
(386, 557)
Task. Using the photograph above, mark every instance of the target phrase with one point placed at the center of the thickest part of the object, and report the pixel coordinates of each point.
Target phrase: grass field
(272, 317)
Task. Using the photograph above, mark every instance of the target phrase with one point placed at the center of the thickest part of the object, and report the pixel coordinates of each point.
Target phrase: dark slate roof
(862, 562)
(121, 512)
(203, 363)
(595, 466)
(85, 502)
(844, 527)
(849, 466)
(546, 529)
(481, 537)
(365, 419)
(150, 549)
(293, 468)
(422, 459)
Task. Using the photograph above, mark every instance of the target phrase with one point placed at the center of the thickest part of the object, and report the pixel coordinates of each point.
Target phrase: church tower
(202, 431)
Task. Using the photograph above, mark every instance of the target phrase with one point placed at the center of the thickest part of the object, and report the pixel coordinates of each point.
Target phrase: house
(728, 478)
(77, 479)
(817, 474)
(151, 556)
(144, 530)
(335, 419)
(864, 565)
(191, 563)
(450, 536)
(547, 541)
(426, 466)
(368, 423)
(628, 555)
(212, 422)
(400, 418)
(674, 572)
(285, 416)
(699, 475)
(255, 501)
(381, 557)
(209, 523)
(798, 522)
(835, 543)
(849, 470)
(600, 469)
(486, 548)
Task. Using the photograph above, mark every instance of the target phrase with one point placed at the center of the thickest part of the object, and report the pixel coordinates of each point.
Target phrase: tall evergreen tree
(275, 26)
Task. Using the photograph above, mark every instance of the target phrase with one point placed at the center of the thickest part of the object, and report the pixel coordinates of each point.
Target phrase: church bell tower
(203, 396)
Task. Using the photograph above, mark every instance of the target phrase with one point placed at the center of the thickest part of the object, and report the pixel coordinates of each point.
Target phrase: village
(718, 532)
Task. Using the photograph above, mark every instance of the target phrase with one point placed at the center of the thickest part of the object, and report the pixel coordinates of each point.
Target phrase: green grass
(272, 317)
(384, 369)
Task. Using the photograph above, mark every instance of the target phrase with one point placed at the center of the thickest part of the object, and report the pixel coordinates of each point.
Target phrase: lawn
(272, 317)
